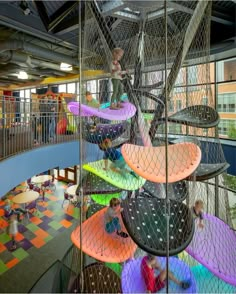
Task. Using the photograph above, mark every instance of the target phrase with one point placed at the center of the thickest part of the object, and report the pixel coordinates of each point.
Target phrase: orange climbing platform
(150, 162)
(97, 243)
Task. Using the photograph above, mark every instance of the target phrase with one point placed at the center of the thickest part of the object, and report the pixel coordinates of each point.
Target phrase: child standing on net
(116, 78)
(197, 212)
(112, 222)
(118, 163)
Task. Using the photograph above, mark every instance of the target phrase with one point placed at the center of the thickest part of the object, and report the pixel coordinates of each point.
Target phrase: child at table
(197, 212)
(9, 211)
(13, 230)
(118, 163)
(112, 222)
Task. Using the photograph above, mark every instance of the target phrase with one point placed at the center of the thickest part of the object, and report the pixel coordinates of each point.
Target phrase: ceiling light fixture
(66, 66)
(22, 75)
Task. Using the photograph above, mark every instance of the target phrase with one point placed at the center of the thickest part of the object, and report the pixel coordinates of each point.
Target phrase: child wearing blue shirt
(118, 162)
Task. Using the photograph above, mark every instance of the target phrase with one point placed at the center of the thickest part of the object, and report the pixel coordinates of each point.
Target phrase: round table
(41, 179)
(25, 197)
(72, 190)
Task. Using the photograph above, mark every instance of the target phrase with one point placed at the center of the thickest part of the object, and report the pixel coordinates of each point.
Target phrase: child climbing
(112, 222)
(118, 163)
(197, 212)
(116, 78)
(155, 284)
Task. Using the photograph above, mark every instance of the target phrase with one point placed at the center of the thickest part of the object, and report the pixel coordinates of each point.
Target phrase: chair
(49, 185)
(31, 207)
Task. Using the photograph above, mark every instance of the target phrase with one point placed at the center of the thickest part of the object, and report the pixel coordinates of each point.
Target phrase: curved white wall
(17, 169)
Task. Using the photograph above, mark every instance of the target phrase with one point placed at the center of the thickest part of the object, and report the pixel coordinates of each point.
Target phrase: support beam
(112, 6)
(180, 56)
(191, 11)
(126, 16)
(160, 13)
(31, 25)
(61, 13)
(172, 24)
(42, 12)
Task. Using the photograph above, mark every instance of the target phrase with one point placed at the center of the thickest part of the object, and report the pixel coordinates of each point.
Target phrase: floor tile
(12, 262)
(65, 223)
(32, 227)
(38, 242)
(20, 253)
(3, 267)
(55, 225)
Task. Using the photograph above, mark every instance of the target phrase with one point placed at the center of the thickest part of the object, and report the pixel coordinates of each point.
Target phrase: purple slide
(214, 246)
(133, 282)
(124, 113)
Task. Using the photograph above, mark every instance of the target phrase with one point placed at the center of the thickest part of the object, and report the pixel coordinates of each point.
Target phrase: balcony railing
(22, 129)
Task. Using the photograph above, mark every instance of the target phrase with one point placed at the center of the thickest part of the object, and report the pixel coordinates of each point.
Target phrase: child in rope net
(90, 101)
(197, 212)
(112, 222)
(155, 284)
(116, 78)
(118, 163)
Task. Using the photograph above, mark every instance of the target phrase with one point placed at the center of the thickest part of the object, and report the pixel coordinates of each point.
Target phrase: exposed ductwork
(36, 51)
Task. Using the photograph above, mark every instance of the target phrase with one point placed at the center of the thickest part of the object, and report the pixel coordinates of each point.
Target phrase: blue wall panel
(230, 156)
(17, 169)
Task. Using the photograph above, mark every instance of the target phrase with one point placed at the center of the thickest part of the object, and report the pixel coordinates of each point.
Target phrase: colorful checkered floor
(42, 226)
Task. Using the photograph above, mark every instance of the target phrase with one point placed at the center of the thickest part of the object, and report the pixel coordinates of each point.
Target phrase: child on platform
(155, 284)
(116, 78)
(112, 222)
(197, 212)
(118, 163)
(90, 101)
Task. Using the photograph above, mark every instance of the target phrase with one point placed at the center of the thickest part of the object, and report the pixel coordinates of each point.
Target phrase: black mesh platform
(199, 116)
(95, 185)
(145, 221)
(93, 208)
(98, 278)
(207, 171)
(103, 131)
(177, 191)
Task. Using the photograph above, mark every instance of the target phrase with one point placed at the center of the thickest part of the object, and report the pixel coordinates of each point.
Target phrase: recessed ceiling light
(22, 75)
(66, 66)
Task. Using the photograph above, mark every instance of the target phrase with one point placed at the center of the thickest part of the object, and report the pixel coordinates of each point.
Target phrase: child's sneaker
(185, 285)
(122, 234)
(134, 174)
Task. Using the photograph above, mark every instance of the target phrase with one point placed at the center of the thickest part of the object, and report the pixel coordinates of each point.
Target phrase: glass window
(193, 75)
(62, 88)
(92, 86)
(204, 100)
(71, 88)
(227, 102)
(27, 93)
(225, 70)
(33, 90)
(22, 93)
(178, 105)
(227, 128)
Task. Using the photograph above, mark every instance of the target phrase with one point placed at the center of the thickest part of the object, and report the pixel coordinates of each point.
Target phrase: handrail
(26, 125)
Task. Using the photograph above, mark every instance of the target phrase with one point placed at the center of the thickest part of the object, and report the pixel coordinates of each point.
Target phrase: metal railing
(25, 125)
